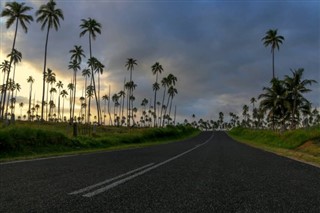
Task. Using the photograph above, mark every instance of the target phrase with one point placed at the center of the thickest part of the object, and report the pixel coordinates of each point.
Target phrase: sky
(214, 48)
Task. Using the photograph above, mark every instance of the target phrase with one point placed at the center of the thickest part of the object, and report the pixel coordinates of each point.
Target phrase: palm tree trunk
(74, 95)
(11, 59)
(44, 72)
(161, 116)
(273, 74)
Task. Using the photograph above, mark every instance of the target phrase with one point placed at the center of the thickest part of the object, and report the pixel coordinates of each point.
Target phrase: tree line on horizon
(282, 105)
(49, 16)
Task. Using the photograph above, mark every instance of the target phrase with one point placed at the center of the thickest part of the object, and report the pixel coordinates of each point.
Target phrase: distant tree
(31, 81)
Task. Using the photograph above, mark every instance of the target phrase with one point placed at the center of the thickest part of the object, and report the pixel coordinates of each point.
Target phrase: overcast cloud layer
(213, 47)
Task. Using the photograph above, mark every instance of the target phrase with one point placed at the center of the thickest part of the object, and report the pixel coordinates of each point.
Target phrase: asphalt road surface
(209, 173)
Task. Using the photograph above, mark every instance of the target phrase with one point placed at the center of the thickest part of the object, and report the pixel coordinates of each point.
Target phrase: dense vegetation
(25, 138)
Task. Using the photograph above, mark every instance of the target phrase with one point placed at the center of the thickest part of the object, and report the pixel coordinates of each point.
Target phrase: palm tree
(92, 27)
(130, 67)
(89, 94)
(31, 81)
(77, 54)
(122, 95)
(296, 86)
(4, 66)
(50, 77)
(16, 57)
(271, 38)
(156, 69)
(274, 100)
(16, 12)
(75, 66)
(48, 15)
(86, 73)
(52, 91)
(105, 98)
(59, 86)
(21, 106)
(172, 92)
(17, 88)
(63, 94)
(71, 88)
(171, 81)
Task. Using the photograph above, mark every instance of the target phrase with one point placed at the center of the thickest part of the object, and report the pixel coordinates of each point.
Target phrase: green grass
(24, 140)
(301, 144)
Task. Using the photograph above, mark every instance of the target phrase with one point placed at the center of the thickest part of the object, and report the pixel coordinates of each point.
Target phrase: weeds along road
(209, 173)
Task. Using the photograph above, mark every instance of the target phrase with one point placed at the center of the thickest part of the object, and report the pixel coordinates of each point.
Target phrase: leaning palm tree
(49, 16)
(16, 12)
(272, 39)
(156, 69)
(92, 27)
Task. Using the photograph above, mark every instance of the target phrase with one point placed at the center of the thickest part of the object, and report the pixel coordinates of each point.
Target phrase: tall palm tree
(50, 78)
(156, 69)
(296, 87)
(92, 27)
(31, 81)
(75, 66)
(49, 16)
(63, 94)
(71, 88)
(59, 86)
(4, 66)
(16, 12)
(274, 40)
(130, 67)
(85, 73)
(17, 89)
(172, 92)
(16, 57)
(89, 94)
(105, 98)
(171, 81)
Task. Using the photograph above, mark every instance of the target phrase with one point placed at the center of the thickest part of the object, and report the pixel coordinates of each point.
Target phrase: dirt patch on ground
(310, 147)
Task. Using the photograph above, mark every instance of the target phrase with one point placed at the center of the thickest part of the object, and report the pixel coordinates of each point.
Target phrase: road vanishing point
(207, 173)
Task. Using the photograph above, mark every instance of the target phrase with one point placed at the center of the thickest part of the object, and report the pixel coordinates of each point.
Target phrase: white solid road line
(109, 180)
(110, 186)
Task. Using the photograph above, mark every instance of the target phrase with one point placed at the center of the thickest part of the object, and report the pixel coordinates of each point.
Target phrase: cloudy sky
(213, 47)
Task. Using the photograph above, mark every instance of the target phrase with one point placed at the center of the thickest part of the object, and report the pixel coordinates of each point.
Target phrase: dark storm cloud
(214, 48)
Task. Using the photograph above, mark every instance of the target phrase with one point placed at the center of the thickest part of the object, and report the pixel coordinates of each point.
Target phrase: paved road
(210, 173)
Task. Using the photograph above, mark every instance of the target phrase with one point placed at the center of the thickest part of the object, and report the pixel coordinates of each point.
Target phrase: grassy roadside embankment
(300, 144)
(25, 140)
